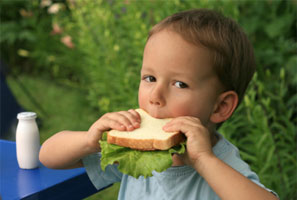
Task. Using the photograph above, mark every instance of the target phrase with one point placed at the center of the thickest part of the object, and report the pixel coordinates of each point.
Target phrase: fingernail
(136, 124)
(130, 127)
(123, 127)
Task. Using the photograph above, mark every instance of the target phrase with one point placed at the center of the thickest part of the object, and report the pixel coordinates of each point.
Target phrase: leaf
(276, 27)
(137, 163)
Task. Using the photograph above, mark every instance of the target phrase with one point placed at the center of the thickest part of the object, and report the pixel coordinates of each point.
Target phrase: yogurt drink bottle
(27, 140)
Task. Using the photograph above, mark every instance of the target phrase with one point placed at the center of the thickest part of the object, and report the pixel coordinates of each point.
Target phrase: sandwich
(143, 150)
(149, 137)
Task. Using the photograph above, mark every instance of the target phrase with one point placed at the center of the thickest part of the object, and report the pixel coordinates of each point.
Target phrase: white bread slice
(150, 135)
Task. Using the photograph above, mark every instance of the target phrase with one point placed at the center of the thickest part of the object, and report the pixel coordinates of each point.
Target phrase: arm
(223, 179)
(229, 183)
(66, 149)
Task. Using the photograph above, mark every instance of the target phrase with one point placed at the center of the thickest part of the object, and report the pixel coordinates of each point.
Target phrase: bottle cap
(27, 115)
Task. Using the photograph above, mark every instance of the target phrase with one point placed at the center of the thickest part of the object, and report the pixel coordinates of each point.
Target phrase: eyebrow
(146, 69)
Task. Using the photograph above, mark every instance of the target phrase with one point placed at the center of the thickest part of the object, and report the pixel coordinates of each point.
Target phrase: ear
(224, 107)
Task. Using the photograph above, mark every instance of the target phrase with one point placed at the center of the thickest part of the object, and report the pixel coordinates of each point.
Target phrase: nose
(157, 96)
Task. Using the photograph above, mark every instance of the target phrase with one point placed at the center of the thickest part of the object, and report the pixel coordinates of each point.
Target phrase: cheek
(182, 110)
(189, 107)
(191, 110)
(142, 96)
(181, 106)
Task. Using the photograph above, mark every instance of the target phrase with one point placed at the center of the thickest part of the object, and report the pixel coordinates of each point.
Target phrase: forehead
(168, 49)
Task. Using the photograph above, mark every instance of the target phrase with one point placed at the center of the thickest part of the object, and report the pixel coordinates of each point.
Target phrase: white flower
(54, 8)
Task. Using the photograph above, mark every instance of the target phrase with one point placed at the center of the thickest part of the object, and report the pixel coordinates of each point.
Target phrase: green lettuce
(137, 163)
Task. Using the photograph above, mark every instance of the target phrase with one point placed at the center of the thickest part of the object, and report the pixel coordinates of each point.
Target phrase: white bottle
(27, 141)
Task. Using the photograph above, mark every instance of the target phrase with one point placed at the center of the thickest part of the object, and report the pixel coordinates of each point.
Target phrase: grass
(66, 108)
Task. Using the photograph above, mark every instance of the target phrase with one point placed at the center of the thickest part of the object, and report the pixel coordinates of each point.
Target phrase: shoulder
(229, 153)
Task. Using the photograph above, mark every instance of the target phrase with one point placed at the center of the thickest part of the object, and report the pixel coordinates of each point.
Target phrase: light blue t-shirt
(181, 182)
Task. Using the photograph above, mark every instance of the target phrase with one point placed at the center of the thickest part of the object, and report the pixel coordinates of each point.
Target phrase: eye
(180, 84)
(149, 79)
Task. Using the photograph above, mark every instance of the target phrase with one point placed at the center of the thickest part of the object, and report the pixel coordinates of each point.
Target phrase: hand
(122, 121)
(198, 138)
(225, 181)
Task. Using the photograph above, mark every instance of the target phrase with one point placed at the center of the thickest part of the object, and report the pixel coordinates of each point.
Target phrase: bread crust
(147, 144)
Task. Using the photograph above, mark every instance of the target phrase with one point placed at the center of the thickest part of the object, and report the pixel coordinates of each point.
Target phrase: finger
(107, 122)
(136, 114)
(183, 120)
(116, 125)
(186, 125)
(120, 118)
(125, 118)
(133, 116)
(133, 119)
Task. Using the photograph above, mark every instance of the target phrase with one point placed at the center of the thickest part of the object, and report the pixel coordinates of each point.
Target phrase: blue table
(39, 183)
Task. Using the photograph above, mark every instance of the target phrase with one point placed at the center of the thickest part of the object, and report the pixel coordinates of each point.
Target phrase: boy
(196, 67)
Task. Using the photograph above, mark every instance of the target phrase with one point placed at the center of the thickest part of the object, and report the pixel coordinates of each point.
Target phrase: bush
(29, 44)
(264, 126)
(111, 36)
(267, 138)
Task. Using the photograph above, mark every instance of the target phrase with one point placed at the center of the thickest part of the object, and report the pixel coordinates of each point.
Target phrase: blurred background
(72, 61)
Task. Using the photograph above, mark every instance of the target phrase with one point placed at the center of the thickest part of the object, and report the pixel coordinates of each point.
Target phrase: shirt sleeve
(245, 170)
(98, 177)
(254, 177)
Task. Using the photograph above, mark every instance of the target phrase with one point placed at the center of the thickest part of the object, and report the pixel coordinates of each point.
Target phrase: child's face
(177, 79)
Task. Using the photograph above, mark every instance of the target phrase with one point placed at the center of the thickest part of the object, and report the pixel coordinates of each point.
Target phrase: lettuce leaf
(137, 163)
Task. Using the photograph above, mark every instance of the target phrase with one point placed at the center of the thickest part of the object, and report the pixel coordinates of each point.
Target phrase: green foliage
(15, 31)
(267, 138)
(27, 37)
(272, 29)
(109, 37)
(264, 126)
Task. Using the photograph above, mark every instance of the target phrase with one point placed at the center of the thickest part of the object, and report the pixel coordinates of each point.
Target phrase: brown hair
(231, 51)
